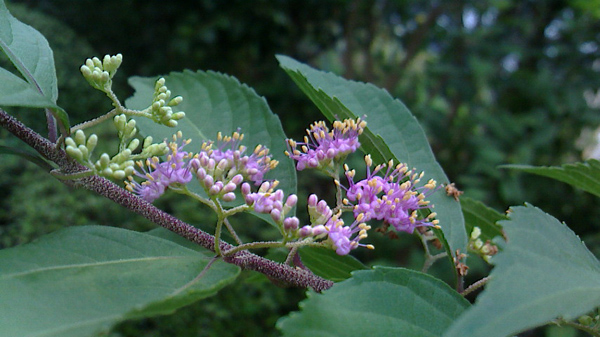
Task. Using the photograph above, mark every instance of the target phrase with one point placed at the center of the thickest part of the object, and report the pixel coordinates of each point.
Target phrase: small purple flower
(393, 197)
(345, 238)
(160, 175)
(230, 151)
(322, 146)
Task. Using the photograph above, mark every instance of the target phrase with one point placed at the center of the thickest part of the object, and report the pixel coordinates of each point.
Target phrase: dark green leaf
(543, 272)
(82, 280)
(379, 302)
(584, 175)
(327, 264)
(215, 102)
(477, 214)
(392, 133)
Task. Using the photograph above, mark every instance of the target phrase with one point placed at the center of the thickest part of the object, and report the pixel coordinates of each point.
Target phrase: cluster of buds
(99, 73)
(267, 200)
(217, 178)
(161, 109)
(322, 147)
(121, 164)
(118, 167)
(485, 250)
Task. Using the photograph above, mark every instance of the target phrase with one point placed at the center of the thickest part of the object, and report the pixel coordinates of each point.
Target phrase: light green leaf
(392, 133)
(14, 91)
(584, 175)
(327, 264)
(379, 302)
(30, 53)
(80, 281)
(477, 214)
(215, 102)
(544, 271)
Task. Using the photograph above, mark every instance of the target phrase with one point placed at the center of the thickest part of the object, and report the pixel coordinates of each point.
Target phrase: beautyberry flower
(160, 175)
(393, 197)
(322, 146)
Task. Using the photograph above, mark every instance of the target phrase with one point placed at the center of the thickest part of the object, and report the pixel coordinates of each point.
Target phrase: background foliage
(492, 82)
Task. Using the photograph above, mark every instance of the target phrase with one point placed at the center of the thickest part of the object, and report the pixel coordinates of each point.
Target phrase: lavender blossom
(393, 197)
(345, 238)
(160, 175)
(321, 147)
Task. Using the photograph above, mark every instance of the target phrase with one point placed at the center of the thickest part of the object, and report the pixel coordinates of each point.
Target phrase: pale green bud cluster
(80, 147)
(120, 165)
(126, 128)
(99, 73)
(162, 105)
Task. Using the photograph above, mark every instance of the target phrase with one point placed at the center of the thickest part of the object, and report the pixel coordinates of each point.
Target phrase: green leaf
(379, 302)
(30, 53)
(544, 271)
(392, 133)
(327, 264)
(584, 175)
(32, 157)
(80, 281)
(14, 91)
(477, 214)
(215, 102)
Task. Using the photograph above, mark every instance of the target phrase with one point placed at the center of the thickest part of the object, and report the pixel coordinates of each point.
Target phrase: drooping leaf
(392, 133)
(215, 102)
(379, 302)
(31, 55)
(584, 175)
(80, 281)
(327, 264)
(29, 52)
(479, 215)
(544, 271)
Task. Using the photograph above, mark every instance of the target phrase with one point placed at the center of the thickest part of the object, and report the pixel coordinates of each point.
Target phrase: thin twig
(475, 286)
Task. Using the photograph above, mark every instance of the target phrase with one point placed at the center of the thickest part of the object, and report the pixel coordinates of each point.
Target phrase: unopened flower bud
(291, 223)
(276, 215)
(312, 200)
(305, 231)
(208, 181)
(229, 187)
(228, 196)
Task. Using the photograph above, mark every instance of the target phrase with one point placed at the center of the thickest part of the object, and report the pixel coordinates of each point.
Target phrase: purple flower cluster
(219, 167)
(160, 175)
(322, 146)
(252, 167)
(267, 200)
(393, 197)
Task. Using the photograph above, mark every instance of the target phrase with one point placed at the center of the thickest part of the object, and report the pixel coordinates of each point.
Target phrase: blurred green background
(492, 82)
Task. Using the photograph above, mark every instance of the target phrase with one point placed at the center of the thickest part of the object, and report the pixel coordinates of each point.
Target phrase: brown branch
(244, 259)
